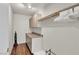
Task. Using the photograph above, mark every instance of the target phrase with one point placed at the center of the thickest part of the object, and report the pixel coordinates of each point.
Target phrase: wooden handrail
(57, 13)
(51, 15)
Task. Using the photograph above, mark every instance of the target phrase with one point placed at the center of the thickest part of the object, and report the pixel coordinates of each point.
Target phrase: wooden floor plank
(21, 49)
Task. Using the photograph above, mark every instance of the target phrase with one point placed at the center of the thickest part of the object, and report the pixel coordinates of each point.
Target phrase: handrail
(51, 15)
(71, 7)
(57, 13)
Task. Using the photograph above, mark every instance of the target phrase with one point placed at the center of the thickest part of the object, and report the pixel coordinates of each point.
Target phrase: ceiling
(32, 8)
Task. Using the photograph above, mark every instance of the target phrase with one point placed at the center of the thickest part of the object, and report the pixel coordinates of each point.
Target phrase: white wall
(62, 36)
(21, 26)
(11, 36)
(62, 40)
(36, 29)
(4, 28)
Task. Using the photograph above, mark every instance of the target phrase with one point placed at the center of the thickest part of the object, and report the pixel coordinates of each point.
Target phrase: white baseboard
(21, 42)
(10, 50)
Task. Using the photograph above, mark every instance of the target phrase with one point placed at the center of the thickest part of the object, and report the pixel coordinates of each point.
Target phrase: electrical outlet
(7, 49)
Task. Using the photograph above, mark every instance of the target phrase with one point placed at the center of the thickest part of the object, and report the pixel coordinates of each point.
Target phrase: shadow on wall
(15, 39)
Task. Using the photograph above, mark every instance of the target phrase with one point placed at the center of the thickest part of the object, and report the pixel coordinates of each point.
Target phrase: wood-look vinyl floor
(21, 49)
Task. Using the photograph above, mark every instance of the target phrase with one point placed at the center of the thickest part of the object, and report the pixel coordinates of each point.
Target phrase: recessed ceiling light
(29, 6)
